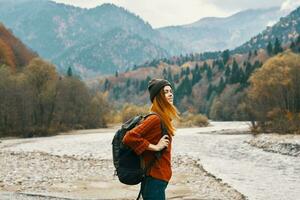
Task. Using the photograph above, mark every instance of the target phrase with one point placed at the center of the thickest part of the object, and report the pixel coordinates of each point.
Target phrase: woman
(147, 138)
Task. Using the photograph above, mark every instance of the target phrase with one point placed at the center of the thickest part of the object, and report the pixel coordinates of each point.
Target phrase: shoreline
(67, 177)
(288, 144)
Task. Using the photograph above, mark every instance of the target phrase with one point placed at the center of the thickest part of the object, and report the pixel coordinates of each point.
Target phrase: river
(222, 149)
(257, 174)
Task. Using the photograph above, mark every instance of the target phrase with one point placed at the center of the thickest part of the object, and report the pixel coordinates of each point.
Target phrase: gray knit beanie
(155, 85)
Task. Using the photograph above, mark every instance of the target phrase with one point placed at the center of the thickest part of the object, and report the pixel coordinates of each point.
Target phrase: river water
(257, 174)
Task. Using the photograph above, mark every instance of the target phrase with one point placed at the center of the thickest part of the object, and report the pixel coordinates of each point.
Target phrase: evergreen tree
(182, 72)
(270, 49)
(176, 78)
(165, 73)
(255, 52)
(248, 69)
(227, 71)
(225, 56)
(187, 71)
(128, 81)
(235, 73)
(205, 67)
(169, 76)
(257, 64)
(184, 88)
(249, 55)
(196, 75)
(69, 72)
(209, 74)
(221, 86)
(277, 47)
(221, 65)
(143, 85)
(209, 91)
(106, 85)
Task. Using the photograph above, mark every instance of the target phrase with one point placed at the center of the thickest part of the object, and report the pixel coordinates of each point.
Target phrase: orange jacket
(139, 138)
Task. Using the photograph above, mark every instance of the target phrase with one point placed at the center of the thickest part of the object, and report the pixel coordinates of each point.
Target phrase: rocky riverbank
(58, 168)
(284, 144)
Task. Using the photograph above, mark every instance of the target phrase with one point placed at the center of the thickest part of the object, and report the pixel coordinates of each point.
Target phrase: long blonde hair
(165, 110)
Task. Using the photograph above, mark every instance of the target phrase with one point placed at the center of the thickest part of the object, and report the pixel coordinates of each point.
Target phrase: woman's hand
(163, 142)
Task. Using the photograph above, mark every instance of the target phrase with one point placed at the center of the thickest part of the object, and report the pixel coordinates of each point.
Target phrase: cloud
(239, 5)
(290, 5)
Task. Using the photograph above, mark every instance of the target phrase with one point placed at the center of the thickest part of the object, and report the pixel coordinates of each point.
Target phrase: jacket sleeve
(134, 138)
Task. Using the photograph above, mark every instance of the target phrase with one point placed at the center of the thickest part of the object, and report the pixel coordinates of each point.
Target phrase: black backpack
(127, 163)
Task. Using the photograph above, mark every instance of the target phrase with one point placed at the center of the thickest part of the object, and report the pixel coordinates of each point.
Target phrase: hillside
(102, 34)
(212, 83)
(286, 30)
(12, 51)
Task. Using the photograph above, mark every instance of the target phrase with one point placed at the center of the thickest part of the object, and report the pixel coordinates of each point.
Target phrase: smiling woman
(146, 139)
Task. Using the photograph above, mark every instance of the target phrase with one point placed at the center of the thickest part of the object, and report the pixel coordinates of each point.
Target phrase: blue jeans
(153, 189)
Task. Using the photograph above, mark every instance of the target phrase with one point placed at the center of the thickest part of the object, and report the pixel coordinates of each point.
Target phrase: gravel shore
(277, 143)
(80, 167)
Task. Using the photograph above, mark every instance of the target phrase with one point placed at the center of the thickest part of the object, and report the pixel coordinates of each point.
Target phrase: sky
(161, 13)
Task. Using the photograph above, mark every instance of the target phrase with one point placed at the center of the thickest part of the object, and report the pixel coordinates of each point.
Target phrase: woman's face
(168, 94)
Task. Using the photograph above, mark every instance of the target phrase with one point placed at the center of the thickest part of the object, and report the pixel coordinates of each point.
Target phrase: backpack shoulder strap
(163, 127)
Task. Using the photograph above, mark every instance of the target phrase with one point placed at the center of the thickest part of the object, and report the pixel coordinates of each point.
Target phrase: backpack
(127, 163)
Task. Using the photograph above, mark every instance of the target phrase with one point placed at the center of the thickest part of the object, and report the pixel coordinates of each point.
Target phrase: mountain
(107, 37)
(286, 30)
(213, 34)
(214, 84)
(12, 51)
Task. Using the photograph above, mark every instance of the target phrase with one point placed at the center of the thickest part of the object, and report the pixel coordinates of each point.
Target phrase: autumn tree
(275, 93)
(42, 78)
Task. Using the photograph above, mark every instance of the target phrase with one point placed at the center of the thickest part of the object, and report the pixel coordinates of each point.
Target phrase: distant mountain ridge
(286, 30)
(108, 38)
(216, 33)
(59, 32)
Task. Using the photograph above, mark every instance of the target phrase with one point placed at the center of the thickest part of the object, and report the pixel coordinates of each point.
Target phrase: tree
(69, 72)
(249, 55)
(277, 47)
(225, 56)
(209, 91)
(221, 65)
(275, 93)
(196, 75)
(184, 88)
(209, 74)
(227, 71)
(205, 67)
(42, 78)
(221, 85)
(270, 49)
(165, 73)
(235, 73)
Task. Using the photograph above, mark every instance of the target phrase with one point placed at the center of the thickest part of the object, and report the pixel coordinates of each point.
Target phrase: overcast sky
(177, 12)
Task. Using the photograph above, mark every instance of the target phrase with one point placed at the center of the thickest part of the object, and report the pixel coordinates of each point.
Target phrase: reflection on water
(253, 172)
